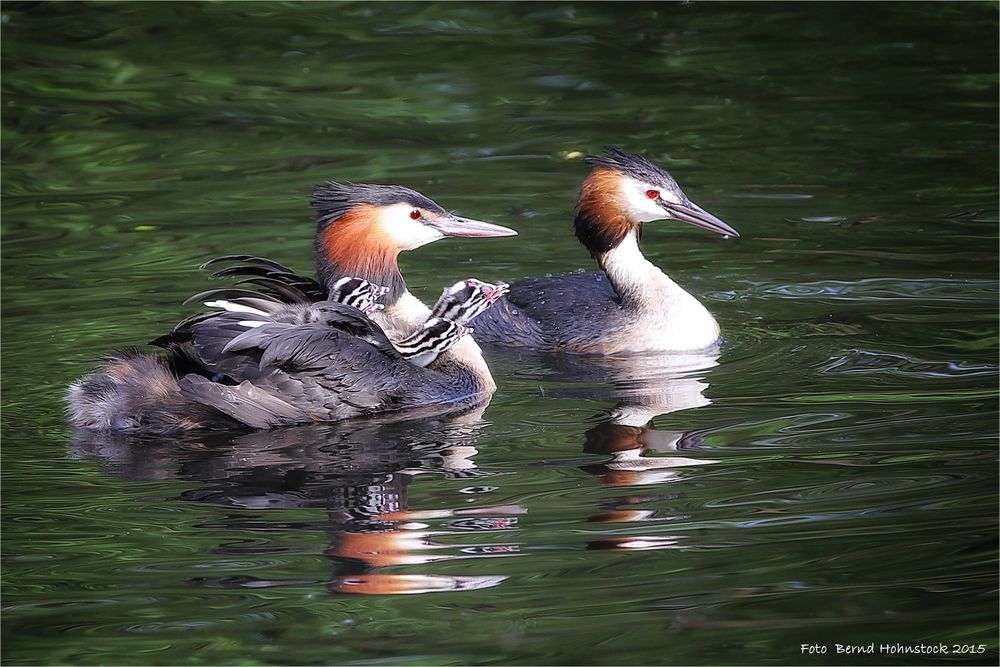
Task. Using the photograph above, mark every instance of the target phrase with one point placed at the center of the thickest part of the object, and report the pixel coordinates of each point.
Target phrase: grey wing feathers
(280, 280)
(563, 292)
(302, 347)
(244, 402)
(220, 343)
(328, 374)
(273, 356)
(336, 364)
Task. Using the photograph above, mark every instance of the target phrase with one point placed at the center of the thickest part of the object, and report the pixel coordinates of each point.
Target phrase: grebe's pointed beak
(693, 214)
(454, 225)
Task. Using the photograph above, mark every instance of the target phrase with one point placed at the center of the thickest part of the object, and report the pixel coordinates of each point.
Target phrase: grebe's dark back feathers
(199, 347)
(287, 292)
(326, 320)
(508, 325)
(322, 373)
(576, 308)
(305, 285)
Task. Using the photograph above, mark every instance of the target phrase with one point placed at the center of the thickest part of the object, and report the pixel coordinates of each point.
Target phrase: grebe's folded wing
(307, 346)
(546, 312)
(314, 372)
(244, 402)
(231, 342)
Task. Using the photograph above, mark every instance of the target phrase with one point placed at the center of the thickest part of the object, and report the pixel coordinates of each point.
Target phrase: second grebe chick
(458, 305)
(435, 337)
(467, 299)
(359, 293)
(632, 306)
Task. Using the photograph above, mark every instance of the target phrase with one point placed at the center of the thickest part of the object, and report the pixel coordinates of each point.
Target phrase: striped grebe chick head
(448, 323)
(466, 299)
(434, 338)
(359, 293)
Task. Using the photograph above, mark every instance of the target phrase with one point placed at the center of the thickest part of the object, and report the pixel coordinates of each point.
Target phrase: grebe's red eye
(653, 194)
(415, 214)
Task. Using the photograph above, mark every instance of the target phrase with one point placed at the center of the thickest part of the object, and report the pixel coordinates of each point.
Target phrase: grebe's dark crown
(635, 166)
(332, 199)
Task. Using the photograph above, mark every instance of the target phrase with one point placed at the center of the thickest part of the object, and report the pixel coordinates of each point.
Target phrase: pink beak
(458, 226)
(493, 294)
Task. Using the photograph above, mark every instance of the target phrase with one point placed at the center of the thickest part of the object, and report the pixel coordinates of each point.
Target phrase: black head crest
(636, 166)
(332, 200)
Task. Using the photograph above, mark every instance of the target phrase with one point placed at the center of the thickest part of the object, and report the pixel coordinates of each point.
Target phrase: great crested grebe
(328, 361)
(632, 306)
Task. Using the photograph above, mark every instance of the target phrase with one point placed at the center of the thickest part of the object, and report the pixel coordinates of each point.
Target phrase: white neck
(409, 313)
(402, 318)
(667, 317)
(633, 276)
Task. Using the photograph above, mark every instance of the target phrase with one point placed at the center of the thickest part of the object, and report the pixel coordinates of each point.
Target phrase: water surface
(829, 477)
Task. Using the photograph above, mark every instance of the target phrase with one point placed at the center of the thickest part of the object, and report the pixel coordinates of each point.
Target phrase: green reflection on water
(851, 427)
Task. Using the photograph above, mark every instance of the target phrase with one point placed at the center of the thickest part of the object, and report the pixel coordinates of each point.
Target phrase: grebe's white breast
(663, 317)
(407, 315)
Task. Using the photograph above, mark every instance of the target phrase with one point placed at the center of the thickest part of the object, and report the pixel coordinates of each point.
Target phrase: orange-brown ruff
(360, 248)
(600, 212)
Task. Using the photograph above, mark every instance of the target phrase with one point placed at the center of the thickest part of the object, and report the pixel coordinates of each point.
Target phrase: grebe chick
(436, 336)
(632, 306)
(359, 293)
(467, 299)
(458, 305)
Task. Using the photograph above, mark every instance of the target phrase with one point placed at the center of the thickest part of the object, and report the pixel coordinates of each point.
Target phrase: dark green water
(831, 478)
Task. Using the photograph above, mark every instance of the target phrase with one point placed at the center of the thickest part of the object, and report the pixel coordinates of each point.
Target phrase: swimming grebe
(330, 362)
(632, 306)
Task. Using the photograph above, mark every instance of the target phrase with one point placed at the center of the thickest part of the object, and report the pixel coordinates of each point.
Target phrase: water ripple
(870, 362)
(885, 289)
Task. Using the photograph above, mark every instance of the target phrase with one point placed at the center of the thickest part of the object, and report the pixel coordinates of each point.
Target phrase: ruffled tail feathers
(132, 390)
